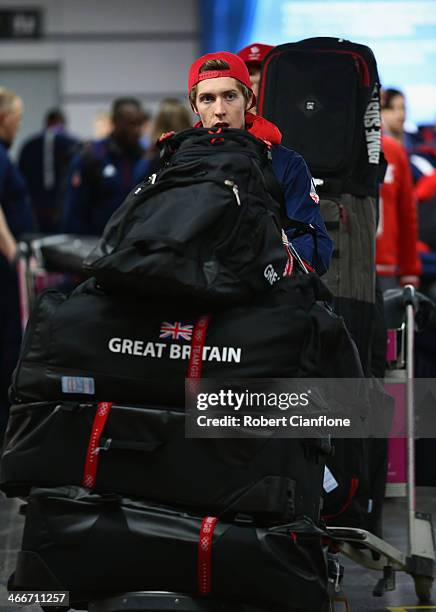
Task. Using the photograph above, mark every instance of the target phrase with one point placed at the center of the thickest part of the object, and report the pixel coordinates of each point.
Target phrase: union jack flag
(176, 331)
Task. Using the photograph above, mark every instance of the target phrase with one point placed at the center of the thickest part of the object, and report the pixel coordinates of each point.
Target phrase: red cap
(254, 54)
(237, 69)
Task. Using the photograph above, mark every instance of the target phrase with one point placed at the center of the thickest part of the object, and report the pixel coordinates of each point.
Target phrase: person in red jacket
(397, 259)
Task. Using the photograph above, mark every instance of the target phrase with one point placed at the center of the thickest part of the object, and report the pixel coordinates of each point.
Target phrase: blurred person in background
(145, 139)
(44, 161)
(102, 124)
(172, 116)
(15, 219)
(102, 175)
(393, 112)
(253, 55)
(397, 258)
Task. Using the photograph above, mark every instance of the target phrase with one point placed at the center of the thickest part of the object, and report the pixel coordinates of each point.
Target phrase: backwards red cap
(237, 69)
(254, 53)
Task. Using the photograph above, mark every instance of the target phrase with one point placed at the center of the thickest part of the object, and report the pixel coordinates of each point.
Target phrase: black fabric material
(427, 222)
(323, 94)
(284, 334)
(95, 546)
(66, 255)
(378, 447)
(208, 228)
(145, 453)
(347, 505)
(425, 367)
(359, 317)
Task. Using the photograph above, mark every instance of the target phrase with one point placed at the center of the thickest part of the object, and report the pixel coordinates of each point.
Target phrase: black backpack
(323, 94)
(207, 226)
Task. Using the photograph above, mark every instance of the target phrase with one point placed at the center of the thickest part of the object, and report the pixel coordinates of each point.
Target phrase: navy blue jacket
(44, 161)
(14, 198)
(302, 203)
(16, 207)
(99, 180)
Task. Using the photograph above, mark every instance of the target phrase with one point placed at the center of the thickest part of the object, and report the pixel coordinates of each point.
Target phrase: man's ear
(194, 110)
(249, 103)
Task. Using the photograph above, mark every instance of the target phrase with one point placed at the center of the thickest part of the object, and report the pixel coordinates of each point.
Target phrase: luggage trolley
(47, 261)
(366, 549)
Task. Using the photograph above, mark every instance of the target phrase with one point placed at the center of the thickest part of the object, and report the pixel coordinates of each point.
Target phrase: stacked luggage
(323, 94)
(96, 437)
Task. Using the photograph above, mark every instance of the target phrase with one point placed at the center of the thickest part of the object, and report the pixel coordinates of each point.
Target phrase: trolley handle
(410, 297)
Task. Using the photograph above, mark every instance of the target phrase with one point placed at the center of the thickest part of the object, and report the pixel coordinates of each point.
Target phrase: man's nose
(219, 107)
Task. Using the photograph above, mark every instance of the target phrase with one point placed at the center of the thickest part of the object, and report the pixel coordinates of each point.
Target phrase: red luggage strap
(195, 366)
(207, 528)
(354, 485)
(92, 455)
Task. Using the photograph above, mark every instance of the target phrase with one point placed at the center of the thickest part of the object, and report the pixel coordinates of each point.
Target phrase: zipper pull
(152, 179)
(235, 190)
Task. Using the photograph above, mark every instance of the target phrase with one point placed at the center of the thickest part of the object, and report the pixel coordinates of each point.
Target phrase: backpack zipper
(235, 190)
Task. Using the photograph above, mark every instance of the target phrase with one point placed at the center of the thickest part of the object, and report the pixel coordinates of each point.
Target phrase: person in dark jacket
(16, 218)
(44, 161)
(105, 172)
(220, 92)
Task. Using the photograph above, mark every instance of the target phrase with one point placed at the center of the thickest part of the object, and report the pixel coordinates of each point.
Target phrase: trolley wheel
(423, 588)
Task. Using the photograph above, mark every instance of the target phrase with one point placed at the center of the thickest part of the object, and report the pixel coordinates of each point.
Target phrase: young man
(221, 93)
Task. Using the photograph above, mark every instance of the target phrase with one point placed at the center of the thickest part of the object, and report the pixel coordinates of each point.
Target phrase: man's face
(11, 121)
(220, 103)
(254, 71)
(128, 126)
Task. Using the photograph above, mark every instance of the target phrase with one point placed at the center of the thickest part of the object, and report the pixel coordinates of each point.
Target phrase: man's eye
(231, 96)
(206, 98)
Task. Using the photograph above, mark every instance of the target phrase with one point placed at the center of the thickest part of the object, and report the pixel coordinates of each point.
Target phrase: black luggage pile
(323, 93)
(96, 437)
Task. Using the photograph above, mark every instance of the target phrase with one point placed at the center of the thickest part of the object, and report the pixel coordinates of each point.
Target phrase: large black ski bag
(91, 346)
(96, 546)
(142, 451)
(323, 94)
(206, 226)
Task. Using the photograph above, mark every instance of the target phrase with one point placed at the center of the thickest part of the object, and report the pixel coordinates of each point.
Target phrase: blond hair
(218, 64)
(7, 99)
(172, 116)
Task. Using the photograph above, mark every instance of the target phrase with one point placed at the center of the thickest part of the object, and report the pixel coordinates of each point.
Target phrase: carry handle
(107, 444)
(209, 137)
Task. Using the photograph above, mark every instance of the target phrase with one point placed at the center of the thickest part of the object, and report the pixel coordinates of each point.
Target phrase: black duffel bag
(206, 226)
(142, 451)
(96, 546)
(95, 347)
